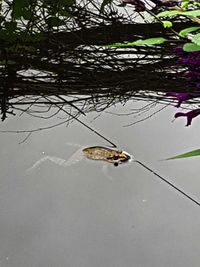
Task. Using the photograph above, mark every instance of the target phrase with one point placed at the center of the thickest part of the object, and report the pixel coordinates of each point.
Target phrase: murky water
(84, 216)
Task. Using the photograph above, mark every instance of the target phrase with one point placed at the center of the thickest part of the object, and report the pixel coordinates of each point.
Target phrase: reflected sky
(82, 216)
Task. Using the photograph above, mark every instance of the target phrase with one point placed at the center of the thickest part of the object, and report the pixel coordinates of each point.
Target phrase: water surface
(80, 216)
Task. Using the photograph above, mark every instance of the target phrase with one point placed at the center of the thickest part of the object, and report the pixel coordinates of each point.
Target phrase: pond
(90, 215)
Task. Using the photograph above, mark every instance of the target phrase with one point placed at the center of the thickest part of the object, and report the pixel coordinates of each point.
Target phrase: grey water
(82, 216)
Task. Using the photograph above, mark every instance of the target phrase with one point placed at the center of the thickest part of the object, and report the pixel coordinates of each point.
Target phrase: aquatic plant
(181, 97)
(190, 115)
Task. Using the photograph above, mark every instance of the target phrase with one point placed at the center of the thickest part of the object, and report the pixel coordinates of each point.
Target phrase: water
(77, 216)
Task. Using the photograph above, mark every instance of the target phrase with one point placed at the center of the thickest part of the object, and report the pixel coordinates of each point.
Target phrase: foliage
(168, 14)
(55, 47)
(191, 47)
(187, 9)
(148, 42)
(189, 38)
(184, 32)
(192, 153)
(167, 24)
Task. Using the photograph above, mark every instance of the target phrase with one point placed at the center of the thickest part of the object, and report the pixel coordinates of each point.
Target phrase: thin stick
(71, 104)
(169, 183)
(91, 129)
(84, 124)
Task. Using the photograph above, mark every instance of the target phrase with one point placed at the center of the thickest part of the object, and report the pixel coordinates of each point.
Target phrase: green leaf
(196, 39)
(185, 31)
(168, 13)
(167, 24)
(192, 153)
(117, 45)
(184, 4)
(196, 4)
(150, 41)
(105, 3)
(191, 47)
(193, 13)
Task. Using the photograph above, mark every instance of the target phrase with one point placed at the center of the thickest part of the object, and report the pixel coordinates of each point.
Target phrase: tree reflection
(57, 59)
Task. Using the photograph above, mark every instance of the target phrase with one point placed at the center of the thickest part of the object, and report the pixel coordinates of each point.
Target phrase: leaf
(196, 39)
(192, 153)
(196, 4)
(167, 24)
(184, 4)
(117, 45)
(150, 41)
(193, 13)
(104, 3)
(168, 13)
(191, 47)
(185, 31)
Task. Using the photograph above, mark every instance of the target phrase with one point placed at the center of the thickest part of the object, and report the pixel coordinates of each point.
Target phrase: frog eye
(113, 158)
(116, 164)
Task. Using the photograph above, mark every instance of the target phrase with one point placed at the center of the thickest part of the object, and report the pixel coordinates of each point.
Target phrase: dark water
(84, 216)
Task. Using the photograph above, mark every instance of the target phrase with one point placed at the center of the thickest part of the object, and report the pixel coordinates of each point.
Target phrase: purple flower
(190, 115)
(179, 50)
(183, 60)
(193, 59)
(139, 5)
(194, 74)
(181, 97)
(198, 85)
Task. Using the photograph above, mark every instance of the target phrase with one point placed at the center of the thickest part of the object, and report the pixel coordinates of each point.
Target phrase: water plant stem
(169, 183)
(88, 127)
